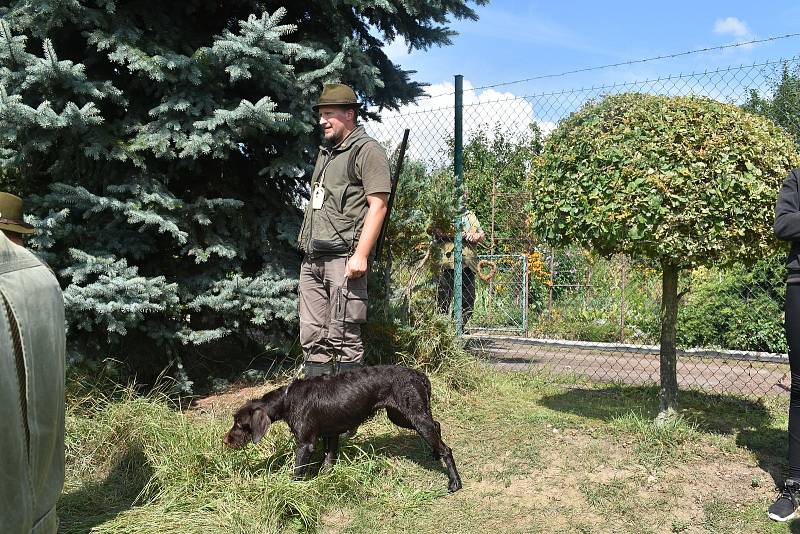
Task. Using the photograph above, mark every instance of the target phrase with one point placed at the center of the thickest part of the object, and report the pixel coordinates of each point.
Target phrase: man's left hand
(356, 266)
(472, 237)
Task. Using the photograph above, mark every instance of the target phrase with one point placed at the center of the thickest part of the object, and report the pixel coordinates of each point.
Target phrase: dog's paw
(454, 485)
(328, 463)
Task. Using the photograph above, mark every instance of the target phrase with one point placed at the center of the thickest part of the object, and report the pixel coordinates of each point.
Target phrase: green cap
(11, 214)
(337, 94)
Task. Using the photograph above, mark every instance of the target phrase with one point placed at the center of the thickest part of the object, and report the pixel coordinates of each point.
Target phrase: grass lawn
(535, 455)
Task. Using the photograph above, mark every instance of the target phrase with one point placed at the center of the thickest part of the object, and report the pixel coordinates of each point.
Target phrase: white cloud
(397, 50)
(432, 118)
(731, 26)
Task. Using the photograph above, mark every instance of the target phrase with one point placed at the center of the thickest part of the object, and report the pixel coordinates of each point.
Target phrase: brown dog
(326, 406)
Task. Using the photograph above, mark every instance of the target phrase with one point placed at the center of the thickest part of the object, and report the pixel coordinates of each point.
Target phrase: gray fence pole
(459, 188)
(622, 300)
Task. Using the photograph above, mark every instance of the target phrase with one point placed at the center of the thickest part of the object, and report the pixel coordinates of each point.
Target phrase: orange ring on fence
(492, 270)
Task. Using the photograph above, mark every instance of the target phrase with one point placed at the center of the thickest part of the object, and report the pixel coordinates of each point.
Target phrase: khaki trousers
(332, 310)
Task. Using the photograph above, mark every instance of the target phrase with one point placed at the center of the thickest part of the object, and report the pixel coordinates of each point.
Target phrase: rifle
(398, 168)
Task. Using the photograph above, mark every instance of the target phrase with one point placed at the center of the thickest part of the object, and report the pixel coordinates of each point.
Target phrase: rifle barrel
(398, 168)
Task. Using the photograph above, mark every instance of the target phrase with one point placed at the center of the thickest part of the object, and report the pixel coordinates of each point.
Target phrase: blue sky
(516, 39)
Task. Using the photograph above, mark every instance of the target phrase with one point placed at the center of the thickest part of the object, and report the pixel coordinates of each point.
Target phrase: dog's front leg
(331, 449)
(302, 459)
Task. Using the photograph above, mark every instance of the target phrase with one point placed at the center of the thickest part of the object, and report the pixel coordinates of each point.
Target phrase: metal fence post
(525, 297)
(552, 282)
(622, 301)
(458, 267)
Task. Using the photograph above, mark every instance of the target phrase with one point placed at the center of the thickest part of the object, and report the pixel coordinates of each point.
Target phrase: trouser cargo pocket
(350, 304)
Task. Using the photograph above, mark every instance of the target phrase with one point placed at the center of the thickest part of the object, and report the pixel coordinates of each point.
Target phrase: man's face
(14, 237)
(336, 122)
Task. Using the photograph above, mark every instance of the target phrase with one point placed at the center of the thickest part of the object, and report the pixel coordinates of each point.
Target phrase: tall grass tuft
(430, 344)
(136, 464)
(658, 443)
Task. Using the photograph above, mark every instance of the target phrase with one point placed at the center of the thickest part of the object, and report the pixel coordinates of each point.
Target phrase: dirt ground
(225, 403)
(674, 491)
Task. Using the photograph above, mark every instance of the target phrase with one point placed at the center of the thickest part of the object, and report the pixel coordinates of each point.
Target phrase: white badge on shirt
(317, 196)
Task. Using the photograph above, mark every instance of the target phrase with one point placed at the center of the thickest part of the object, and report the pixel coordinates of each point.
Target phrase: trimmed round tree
(682, 181)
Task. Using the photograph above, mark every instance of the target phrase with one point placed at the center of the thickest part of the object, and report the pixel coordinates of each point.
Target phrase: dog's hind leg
(429, 429)
(397, 417)
(438, 428)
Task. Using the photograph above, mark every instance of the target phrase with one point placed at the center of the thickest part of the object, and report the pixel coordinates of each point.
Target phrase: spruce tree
(163, 149)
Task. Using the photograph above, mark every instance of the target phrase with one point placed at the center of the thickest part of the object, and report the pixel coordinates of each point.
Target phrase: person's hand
(356, 266)
(474, 237)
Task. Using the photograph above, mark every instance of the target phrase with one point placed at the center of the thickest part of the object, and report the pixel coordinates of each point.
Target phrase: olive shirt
(470, 225)
(334, 230)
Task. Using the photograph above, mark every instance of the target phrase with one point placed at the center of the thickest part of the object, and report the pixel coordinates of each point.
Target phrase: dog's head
(250, 423)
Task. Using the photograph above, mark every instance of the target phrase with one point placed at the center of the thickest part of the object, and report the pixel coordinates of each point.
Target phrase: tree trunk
(669, 360)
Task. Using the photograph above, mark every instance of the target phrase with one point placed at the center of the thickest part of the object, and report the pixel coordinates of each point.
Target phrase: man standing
(349, 193)
(473, 235)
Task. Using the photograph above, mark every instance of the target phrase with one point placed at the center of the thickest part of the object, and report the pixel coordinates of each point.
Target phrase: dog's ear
(259, 423)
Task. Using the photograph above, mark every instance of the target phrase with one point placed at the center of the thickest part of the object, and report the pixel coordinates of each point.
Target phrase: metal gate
(501, 294)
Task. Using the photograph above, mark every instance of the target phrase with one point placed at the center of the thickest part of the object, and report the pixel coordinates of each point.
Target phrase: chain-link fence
(574, 312)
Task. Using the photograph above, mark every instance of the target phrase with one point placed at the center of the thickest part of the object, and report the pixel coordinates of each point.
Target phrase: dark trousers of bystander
(444, 294)
(792, 309)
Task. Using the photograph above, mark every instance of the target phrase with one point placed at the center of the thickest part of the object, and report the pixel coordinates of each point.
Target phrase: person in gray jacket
(11, 223)
(32, 369)
(787, 228)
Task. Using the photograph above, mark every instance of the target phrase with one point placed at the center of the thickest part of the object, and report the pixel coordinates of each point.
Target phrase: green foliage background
(501, 158)
(782, 105)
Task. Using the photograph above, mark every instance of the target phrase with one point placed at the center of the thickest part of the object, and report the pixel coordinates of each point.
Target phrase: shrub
(682, 181)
